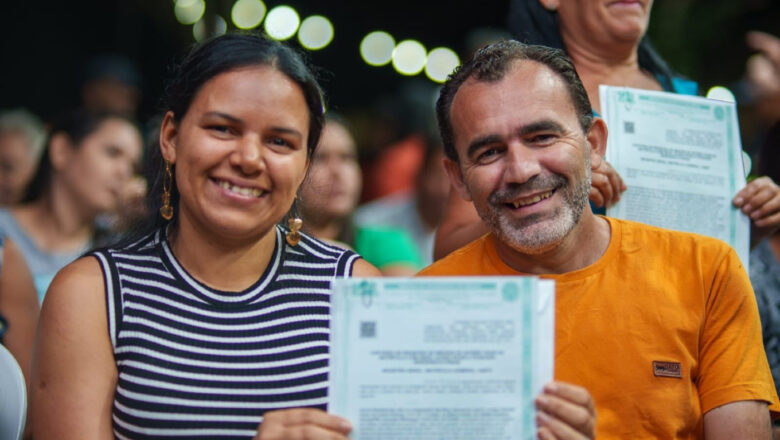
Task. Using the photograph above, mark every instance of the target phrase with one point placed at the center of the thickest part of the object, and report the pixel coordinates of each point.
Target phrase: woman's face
(101, 165)
(239, 152)
(332, 189)
(604, 22)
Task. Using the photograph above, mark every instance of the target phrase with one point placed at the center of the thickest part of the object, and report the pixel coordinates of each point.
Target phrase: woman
(218, 315)
(606, 41)
(328, 199)
(87, 161)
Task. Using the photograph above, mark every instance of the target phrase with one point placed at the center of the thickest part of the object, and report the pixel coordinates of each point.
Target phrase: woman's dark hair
(531, 23)
(76, 124)
(204, 62)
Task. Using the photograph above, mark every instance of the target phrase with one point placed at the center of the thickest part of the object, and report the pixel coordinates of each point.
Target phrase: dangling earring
(295, 223)
(293, 237)
(166, 210)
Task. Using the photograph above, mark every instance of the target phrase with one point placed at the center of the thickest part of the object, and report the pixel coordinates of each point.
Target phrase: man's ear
(169, 131)
(456, 178)
(597, 138)
(60, 150)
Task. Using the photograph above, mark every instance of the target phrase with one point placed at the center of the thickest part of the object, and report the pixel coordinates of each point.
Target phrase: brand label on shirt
(667, 369)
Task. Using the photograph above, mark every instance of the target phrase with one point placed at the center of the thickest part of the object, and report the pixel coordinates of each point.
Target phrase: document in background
(434, 358)
(681, 159)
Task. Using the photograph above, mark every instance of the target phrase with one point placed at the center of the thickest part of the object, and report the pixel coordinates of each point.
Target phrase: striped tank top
(196, 362)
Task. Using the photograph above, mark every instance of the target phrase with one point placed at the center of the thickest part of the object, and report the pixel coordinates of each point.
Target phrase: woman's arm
(19, 305)
(363, 268)
(74, 373)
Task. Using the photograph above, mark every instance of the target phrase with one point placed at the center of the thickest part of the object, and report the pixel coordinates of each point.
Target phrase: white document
(440, 357)
(681, 159)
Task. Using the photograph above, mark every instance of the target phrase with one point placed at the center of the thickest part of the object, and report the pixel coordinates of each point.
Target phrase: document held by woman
(450, 357)
(681, 159)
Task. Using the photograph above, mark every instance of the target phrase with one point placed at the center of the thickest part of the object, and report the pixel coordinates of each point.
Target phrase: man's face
(524, 160)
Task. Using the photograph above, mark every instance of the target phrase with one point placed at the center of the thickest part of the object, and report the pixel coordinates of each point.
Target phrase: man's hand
(760, 200)
(302, 423)
(606, 185)
(565, 411)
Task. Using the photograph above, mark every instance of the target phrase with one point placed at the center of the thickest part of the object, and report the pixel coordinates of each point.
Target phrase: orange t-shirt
(661, 329)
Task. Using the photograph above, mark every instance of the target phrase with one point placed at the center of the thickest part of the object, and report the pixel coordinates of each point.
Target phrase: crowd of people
(186, 295)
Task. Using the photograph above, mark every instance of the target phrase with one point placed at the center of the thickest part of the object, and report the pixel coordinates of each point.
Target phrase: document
(440, 358)
(681, 159)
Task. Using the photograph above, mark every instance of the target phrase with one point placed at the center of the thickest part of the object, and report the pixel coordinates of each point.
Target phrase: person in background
(606, 42)
(212, 322)
(18, 308)
(328, 198)
(87, 162)
(418, 212)
(660, 326)
(22, 136)
(111, 83)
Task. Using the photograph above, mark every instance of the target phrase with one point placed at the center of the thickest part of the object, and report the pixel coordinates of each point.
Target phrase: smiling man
(661, 327)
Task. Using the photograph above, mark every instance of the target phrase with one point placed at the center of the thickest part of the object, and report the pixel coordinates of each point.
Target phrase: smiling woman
(213, 321)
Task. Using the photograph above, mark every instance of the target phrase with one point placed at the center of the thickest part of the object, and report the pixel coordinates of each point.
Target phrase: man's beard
(528, 235)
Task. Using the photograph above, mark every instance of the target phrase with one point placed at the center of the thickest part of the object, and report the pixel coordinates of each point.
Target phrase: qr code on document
(368, 329)
(628, 127)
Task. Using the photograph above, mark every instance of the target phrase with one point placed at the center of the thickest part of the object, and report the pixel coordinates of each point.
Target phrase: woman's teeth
(532, 200)
(254, 192)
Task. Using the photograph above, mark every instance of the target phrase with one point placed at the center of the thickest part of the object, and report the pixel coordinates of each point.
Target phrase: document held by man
(432, 358)
(681, 159)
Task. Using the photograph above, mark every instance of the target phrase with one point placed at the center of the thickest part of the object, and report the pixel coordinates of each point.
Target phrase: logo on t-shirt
(667, 369)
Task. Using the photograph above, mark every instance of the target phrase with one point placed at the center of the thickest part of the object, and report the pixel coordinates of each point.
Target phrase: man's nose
(522, 163)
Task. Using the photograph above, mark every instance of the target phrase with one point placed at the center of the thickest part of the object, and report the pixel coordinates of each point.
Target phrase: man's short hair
(491, 63)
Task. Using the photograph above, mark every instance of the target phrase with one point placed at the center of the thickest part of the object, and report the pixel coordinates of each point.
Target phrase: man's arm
(746, 419)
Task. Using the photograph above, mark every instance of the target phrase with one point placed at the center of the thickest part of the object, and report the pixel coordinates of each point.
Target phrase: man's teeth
(240, 190)
(532, 200)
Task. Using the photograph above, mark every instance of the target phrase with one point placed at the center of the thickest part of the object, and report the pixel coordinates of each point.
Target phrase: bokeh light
(282, 22)
(441, 62)
(409, 57)
(377, 47)
(201, 31)
(247, 14)
(189, 11)
(721, 94)
(315, 33)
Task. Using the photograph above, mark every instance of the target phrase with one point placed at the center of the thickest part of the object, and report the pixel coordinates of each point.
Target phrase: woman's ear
(60, 150)
(169, 131)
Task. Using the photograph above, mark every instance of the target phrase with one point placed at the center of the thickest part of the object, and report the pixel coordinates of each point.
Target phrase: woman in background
(213, 321)
(328, 198)
(86, 164)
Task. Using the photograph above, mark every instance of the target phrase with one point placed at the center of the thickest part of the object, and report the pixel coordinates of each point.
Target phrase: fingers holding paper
(565, 411)
(302, 424)
(606, 185)
(760, 200)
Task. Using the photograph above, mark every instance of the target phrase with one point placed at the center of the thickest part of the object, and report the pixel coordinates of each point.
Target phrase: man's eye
(487, 154)
(542, 138)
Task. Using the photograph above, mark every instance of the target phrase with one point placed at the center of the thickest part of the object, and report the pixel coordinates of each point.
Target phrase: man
(661, 327)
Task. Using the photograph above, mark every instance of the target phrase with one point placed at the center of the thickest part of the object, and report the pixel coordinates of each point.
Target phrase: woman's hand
(760, 200)
(302, 423)
(606, 185)
(565, 411)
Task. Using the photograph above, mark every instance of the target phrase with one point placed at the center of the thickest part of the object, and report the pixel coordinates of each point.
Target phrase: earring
(293, 237)
(166, 210)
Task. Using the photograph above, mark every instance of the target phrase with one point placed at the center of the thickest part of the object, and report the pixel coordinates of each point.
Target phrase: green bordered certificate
(434, 358)
(681, 159)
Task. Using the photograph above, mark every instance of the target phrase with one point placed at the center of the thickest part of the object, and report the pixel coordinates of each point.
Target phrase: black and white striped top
(196, 362)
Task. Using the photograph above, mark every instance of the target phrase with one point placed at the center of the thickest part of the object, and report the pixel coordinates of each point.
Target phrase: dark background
(45, 43)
